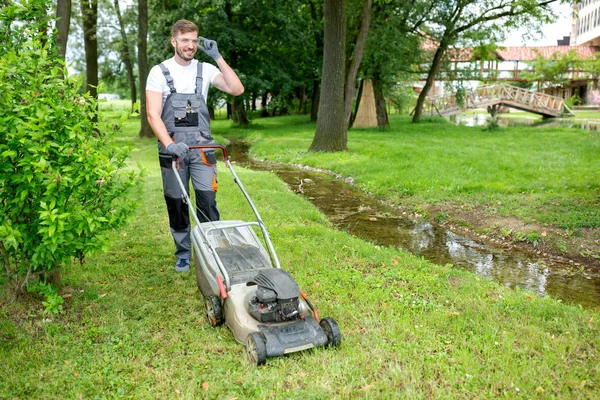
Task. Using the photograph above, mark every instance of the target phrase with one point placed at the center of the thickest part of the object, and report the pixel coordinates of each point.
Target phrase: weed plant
(133, 328)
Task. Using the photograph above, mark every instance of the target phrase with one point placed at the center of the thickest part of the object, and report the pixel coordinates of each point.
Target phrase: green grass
(549, 175)
(133, 328)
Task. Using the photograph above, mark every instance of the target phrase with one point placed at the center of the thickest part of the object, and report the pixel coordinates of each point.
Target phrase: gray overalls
(187, 120)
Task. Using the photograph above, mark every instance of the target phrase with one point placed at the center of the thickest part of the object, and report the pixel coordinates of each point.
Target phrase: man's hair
(183, 26)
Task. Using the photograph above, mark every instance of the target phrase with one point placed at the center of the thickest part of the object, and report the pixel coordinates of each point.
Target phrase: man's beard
(182, 56)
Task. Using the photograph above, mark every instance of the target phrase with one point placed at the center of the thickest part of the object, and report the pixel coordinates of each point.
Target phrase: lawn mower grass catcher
(244, 286)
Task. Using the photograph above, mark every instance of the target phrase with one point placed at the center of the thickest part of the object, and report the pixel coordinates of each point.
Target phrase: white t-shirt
(184, 77)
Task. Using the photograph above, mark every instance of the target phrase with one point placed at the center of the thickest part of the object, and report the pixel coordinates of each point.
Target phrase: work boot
(183, 265)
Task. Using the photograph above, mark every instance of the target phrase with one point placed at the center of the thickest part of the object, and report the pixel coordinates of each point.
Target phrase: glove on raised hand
(177, 149)
(210, 48)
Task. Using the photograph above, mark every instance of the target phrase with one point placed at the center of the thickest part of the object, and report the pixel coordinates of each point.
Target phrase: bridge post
(493, 110)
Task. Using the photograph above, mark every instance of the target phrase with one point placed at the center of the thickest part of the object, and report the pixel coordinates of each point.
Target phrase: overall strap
(168, 77)
(199, 79)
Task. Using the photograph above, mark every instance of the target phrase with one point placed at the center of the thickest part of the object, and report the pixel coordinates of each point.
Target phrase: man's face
(185, 45)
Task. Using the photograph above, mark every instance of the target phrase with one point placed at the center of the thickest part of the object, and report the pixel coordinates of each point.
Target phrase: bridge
(492, 97)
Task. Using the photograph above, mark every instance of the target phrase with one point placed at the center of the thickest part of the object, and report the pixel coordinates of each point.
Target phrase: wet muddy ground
(353, 211)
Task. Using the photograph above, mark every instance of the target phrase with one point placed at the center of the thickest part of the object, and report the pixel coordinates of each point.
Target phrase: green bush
(62, 182)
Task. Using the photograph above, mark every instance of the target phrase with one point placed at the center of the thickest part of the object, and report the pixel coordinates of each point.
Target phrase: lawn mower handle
(212, 146)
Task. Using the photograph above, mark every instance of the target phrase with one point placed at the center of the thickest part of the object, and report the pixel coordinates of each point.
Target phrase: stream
(353, 211)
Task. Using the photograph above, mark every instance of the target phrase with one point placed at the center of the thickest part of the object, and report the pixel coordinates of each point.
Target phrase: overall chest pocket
(184, 113)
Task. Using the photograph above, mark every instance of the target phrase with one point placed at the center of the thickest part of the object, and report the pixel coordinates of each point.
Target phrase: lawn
(133, 328)
(547, 178)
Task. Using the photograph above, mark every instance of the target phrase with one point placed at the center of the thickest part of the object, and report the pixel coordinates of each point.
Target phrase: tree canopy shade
(452, 22)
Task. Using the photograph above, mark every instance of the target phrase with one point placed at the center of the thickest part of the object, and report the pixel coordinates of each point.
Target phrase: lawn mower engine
(276, 297)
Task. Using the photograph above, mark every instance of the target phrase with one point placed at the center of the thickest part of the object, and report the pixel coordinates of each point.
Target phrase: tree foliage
(556, 69)
(63, 187)
(468, 23)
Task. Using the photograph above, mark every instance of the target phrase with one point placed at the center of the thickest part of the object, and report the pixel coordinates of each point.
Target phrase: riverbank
(133, 328)
(537, 189)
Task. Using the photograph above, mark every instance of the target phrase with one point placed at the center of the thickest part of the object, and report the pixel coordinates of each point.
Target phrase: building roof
(525, 53)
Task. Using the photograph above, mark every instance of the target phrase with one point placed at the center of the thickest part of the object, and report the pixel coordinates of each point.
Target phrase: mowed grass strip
(133, 328)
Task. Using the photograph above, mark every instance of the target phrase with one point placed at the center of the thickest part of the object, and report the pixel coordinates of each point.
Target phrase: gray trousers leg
(193, 166)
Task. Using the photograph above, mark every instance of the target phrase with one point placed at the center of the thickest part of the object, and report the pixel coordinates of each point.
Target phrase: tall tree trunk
(238, 111)
(145, 129)
(383, 121)
(302, 104)
(435, 65)
(126, 56)
(331, 133)
(314, 101)
(263, 105)
(356, 59)
(316, 91)
(63, 14)
(89, 16)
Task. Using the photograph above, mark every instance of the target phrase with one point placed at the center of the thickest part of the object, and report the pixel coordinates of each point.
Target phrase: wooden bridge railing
(483, 96)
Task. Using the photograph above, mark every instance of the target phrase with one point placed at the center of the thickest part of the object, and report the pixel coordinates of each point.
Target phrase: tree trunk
(316, 91)
(302, 104)
(314, 106)
(380, 107)
(356, 59)
(63, 14)
(238, 114)
(89, 15)
(435, 65)
(331, 133)
(263, 105)
(145, 129)
(126, 56)
(238, 111)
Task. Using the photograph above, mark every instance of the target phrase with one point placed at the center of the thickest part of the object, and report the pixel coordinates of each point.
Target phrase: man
(176, 93)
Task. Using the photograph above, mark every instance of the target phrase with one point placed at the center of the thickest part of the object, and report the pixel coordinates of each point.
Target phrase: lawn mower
(244, 286)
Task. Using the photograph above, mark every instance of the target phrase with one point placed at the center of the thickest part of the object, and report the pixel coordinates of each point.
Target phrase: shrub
(62, 182)
(492, 124)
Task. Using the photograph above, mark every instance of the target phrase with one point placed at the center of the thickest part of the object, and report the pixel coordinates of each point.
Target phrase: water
(505, 121)
(352, 210)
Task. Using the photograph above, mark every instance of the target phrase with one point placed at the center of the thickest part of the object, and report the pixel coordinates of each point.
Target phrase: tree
(557, 69)
(63, 22)
(317, 24)
(89, 17)
(331, 132)
(145, 130)
(62, 185)
(126, 55)
(392, 50)
(463, 21)
(355, 59)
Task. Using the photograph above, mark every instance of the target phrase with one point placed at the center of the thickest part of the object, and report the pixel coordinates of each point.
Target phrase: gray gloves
(177, 149)
(210, 48)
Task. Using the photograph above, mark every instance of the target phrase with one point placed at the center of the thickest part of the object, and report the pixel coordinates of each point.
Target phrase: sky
(552, 32)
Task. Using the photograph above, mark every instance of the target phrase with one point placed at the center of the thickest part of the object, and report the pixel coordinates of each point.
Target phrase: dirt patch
(578, 247)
